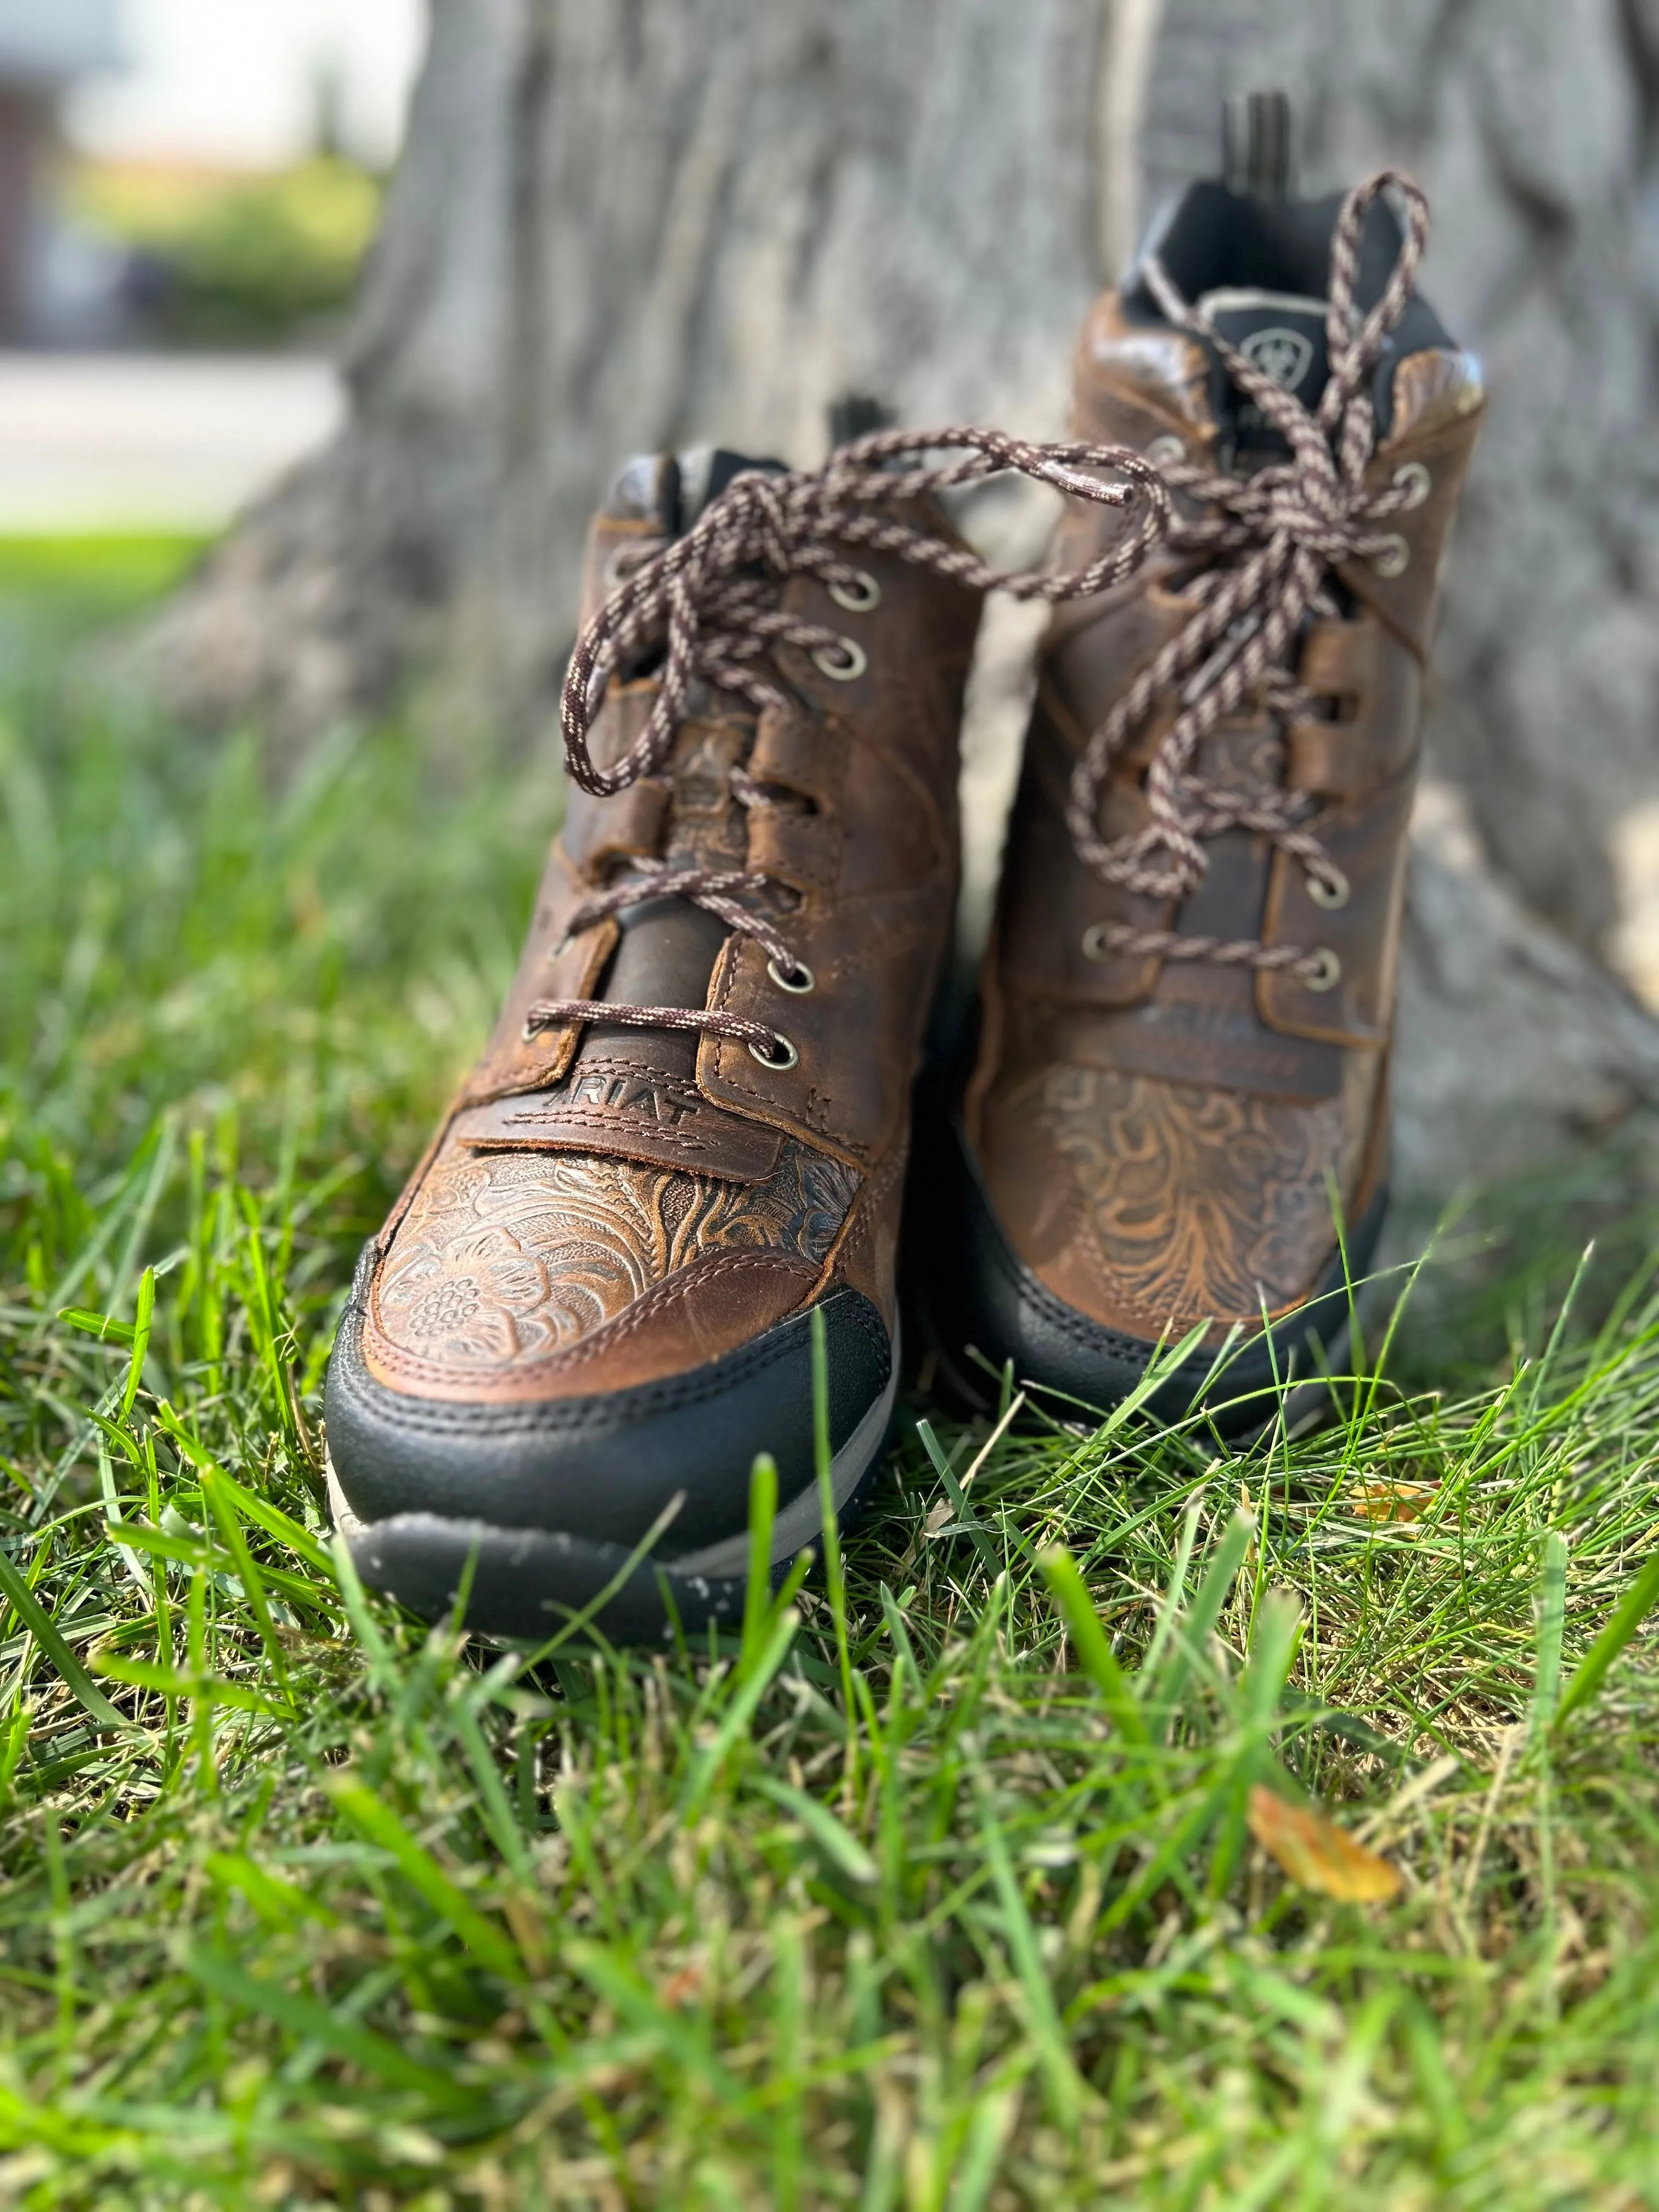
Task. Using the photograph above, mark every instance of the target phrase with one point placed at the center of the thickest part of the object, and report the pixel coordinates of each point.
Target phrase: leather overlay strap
(627, 826)
(1368, 841)
(1404, 601)
(796, 750)
(615, 1107)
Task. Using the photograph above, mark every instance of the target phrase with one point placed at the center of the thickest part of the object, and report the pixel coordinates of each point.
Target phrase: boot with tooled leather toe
(594, 1304)
(1180, 1090)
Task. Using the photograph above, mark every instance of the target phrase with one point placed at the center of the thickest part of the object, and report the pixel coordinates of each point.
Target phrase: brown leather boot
(687, 1135)
(1179, 1112)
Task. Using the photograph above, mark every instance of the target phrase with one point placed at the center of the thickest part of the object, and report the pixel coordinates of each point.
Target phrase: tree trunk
(621, 224)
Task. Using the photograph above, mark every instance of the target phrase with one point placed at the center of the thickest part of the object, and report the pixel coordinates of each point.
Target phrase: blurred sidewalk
(96, 442)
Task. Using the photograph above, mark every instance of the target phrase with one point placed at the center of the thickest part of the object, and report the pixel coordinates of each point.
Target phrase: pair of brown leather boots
(689, 1137)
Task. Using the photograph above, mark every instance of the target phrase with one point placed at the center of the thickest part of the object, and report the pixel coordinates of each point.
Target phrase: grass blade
(328, 2027)
(1193, 1629)
(741, 1711)
(493, 1800)
(1166, 1360)
(1273, 1651)
(631, 1999)
(958, 1497)
(41, 1627)
(1070, 1595)
(595, 1606)
(207, 1689)
(278, 1903)
(248, 1503)
(762, 1512)
(1169, 1611)
(214, 1490)
(1060, 2078)
(96, 1324)
(141, 1322)
(834, 1582)
(381, 1826)
(1552, 1617)
(836, 1841)
(1632, 1611)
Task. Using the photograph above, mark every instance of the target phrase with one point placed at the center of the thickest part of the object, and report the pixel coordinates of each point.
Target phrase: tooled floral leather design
(1204, 1204)
(507, 1258)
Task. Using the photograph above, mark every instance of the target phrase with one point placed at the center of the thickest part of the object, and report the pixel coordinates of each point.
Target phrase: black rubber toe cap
(975, 1290)
(601, 1468)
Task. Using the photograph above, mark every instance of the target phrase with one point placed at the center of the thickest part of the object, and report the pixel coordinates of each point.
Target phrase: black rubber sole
(967, 1287)
(543, 1504)
(524, 1585)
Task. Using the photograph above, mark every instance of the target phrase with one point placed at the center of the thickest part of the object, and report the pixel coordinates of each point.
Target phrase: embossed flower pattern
(512, 1256)
(1202, 1203)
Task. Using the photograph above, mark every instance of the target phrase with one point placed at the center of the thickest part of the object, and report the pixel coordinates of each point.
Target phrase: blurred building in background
(47, 47)
(187, 190)
(196, 174)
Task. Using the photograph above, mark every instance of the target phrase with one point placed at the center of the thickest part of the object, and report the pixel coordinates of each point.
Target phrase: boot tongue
(704, 473)
(672, 489)
(668, 947)
(1282, 334)
(1260, 267)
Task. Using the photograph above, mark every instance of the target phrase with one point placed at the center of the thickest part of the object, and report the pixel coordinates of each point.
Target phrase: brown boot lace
(1276, 536)
(709, 600)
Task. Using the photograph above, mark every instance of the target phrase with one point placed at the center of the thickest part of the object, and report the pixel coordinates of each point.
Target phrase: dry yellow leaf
(684, 1985)
(1314, 1852)
(1392, 1501)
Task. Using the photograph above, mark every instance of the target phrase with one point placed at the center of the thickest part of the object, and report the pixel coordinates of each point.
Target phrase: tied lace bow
(710, 601)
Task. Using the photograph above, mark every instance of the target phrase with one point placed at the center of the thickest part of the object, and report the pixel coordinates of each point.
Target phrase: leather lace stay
(1274, 537)
(710, 600)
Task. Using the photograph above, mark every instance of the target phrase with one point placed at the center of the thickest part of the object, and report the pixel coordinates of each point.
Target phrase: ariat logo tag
(621, 1112)
(644, 1094)
(1282, 353)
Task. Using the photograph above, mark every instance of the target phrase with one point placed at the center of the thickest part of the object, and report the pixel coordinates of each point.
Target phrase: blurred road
(107, 441)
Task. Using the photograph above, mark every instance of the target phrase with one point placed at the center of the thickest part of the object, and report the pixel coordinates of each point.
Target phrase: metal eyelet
(1414, 479)
(532, 1030)
(859, 598)
(1393, 556)
(1327, 974)
(1330, 891)
(1098, 941)
(1165, 450)
(621, 561)
(849, 667)
(799, 979)
(778, 1066)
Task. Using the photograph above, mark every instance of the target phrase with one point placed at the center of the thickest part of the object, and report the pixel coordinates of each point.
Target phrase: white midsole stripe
(801, 1521)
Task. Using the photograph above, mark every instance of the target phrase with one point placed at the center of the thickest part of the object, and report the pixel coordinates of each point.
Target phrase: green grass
(76, 569)
(934, 1889)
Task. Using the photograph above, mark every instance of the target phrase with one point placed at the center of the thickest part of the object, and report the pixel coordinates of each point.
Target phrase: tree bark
(621, 224)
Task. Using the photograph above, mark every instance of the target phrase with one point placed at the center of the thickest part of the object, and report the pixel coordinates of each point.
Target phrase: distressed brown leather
(606, 1206)
(1160, 1140)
